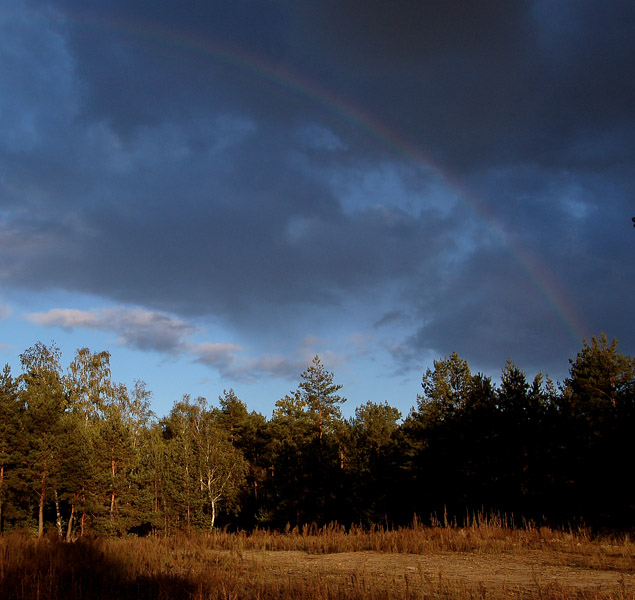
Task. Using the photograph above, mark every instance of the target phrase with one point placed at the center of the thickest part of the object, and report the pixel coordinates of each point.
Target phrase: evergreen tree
(434, 444)
(43, 403)
(249, 434)
(372, 464)
(523, 441)
(597, 410)
(446, 388)
(308, 450)
(77, 465)
(9, 414)
(180, 499)
(318, 394)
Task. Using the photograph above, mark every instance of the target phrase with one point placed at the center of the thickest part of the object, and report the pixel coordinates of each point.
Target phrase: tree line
(83, 455)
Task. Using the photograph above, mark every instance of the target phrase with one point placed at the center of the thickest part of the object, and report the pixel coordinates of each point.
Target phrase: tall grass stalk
(214, 566)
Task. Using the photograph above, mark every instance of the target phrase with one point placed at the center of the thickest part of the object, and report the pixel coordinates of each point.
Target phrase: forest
(82, 455)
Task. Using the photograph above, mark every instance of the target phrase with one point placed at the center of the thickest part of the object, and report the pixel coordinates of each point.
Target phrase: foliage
(81, 454)
(209, 470)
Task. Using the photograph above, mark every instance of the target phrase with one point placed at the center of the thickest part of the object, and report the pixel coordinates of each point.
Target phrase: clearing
(531, 572)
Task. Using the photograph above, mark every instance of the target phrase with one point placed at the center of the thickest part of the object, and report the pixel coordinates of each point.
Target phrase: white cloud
(149, 330)
(67, 318)
(137, 328)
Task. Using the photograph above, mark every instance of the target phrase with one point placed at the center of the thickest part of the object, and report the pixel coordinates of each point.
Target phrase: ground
(533, 571)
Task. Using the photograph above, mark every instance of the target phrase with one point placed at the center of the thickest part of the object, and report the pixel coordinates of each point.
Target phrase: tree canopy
(82, 454)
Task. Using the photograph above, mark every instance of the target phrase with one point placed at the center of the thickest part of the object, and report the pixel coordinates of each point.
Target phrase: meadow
(484, 559)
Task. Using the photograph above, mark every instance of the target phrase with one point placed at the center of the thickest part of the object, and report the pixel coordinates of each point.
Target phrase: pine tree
(43, 403)
(9, 407)
(318, 394)
(597, 412)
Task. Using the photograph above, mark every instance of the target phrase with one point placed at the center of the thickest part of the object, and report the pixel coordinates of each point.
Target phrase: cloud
(232, 362)
(152, 331)
(136, 328)
(221, 357)
(230, 254)
(227, 360)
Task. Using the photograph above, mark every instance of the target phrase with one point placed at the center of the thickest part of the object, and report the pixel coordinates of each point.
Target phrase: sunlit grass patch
(269, 564)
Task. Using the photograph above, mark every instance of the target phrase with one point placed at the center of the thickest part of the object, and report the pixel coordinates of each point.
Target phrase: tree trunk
(69, 529)
(58, 514)
(156, 491)
(187, 495)
(40, 523)
(113, 468)
(83, 519)
(1, 492)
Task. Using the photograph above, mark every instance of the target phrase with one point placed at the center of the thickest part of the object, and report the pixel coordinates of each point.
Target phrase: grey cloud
(391, 317)
(227, 359)
(216, 355)
(152, 331)
(38, 70)
(472, 84)
(491, 315)
(137, 328)
(212, 238)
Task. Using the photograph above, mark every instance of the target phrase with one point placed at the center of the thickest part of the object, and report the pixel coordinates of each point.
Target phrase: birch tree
(221, 467)
(211, 471)
(90, 391)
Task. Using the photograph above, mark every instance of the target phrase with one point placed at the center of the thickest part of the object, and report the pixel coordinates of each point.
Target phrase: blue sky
(215, 192)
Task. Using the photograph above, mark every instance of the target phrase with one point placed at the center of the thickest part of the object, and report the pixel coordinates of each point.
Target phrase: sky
(215, 192)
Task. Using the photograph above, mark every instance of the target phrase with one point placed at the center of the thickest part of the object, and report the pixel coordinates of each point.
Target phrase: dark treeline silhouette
(81, 455)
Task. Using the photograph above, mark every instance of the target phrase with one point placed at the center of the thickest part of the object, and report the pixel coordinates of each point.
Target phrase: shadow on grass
(51, 570)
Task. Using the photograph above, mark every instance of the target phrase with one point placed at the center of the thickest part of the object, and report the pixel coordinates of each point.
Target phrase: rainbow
(538, 273)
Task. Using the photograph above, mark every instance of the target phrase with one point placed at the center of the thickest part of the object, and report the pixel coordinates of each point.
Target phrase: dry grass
(490, 536)
(294, 564)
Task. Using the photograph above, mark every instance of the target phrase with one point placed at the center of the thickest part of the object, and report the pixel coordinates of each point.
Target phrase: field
(483, 560)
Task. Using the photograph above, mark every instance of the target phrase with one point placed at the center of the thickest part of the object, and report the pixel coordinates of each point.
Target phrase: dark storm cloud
(472, 83)
(489, 81)
(482, 303)
(190, 158)
(237, 246)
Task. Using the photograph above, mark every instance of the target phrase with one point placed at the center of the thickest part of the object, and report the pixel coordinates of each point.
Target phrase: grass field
(487, 559)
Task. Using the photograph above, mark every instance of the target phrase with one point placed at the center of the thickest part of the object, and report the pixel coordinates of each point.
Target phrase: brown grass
(301, 563)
